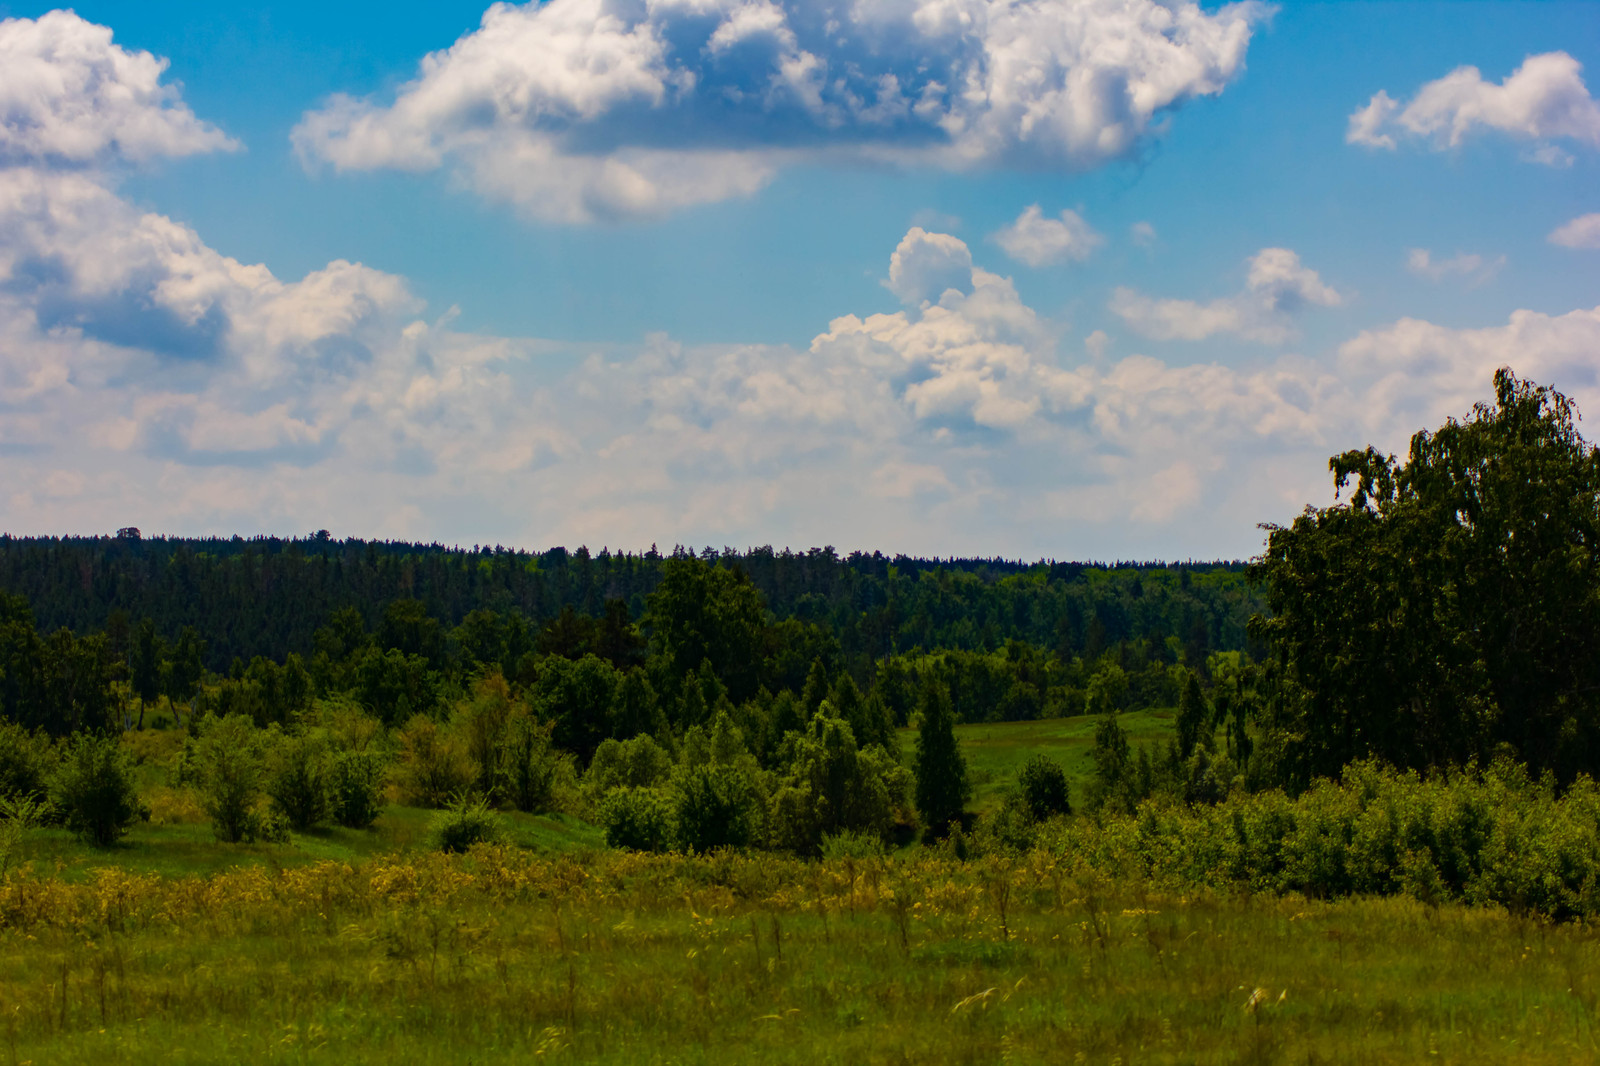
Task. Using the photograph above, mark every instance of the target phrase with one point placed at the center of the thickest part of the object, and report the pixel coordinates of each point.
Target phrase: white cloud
(70, 96)
(1276, 286)
(146, 379)
(926, 265)
(1475, 268)
(575, 110)
(1581, 232)
(1542, 101)
(1038, 241)
(1414, 374)
(1143, 234)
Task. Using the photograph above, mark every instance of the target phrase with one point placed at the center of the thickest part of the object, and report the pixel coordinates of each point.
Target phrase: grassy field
(366, 947)
(648, 959)
(995, 751)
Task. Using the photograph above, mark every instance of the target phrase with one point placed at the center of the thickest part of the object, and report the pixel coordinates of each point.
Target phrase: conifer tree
(1193, 715)
(942, 788)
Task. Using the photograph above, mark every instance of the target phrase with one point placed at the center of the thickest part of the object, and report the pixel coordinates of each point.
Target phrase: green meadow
(996, 751)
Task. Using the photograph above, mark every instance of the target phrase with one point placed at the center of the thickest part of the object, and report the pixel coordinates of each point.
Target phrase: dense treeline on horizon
(268, 596)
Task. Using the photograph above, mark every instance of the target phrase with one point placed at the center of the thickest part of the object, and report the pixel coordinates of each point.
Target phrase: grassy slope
(189, 849)
(995, 751)
(179, 842)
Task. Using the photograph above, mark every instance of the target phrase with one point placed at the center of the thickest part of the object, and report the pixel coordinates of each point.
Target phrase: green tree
(941, 769)
(1450, 604)
(1043, 786)
(578, 696)
(831, 785)
(701, 612)
(1194, 717)
(146, 655)
(232, 768)
(1113, 760)
(186, 669)
(93, 788)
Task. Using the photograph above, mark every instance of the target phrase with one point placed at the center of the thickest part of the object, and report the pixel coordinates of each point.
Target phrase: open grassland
(996, 751)
(663, 959)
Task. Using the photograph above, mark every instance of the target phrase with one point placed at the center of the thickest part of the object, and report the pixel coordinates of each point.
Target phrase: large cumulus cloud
(583, 109)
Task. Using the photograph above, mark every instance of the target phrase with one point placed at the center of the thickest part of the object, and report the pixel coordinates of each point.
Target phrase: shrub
(636, 763)
(1044, 788)
(433, 767)
(717, 808)
(849, 844)
(232, 770)
(466, 821)
(93, 787)
(24, 762)
(355, 788)
(642, 819)
(531, 765)
(297, 782)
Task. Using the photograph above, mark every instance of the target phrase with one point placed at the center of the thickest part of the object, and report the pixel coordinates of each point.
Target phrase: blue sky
(516, 346)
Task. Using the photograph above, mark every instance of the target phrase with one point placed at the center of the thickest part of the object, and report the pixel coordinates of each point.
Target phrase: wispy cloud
(1277, 286)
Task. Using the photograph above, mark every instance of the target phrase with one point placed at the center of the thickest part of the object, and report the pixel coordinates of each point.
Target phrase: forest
(1397, 702)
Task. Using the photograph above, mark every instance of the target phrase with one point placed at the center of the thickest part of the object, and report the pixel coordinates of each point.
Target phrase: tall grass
(638, 958)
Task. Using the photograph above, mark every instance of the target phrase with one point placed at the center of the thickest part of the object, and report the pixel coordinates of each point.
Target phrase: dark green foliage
(1115, 780)
(1194, 716)
(187, 667)
(297, 781)
(25, 762)
(1492, 838)
(355, 788)
(578, 697)
(1450, 605)
(830, 785)
(704, 613)
(532, 766)
(408, 629)
(716, 807)
(93, 789)
(466, 821)
(640, 819)
(636, 710)
(146, 656)
(1043, 787)
(941, 769)
(271, 596)
(639, 762)
(393, 685)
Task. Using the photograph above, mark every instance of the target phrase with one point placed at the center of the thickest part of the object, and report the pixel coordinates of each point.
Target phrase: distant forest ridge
(268, 595)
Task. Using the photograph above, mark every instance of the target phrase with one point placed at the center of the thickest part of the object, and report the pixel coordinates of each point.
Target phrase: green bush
(231, 765)
(466, 821)
(641, 819)
(93, 788)
(531, 765)
(717, 807)
(297, 782)
(434, 768)
(355, 788)
(1492, 837)
(1043, 785)
(25, 762)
